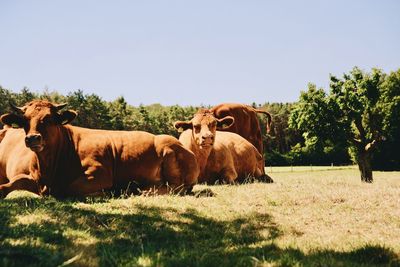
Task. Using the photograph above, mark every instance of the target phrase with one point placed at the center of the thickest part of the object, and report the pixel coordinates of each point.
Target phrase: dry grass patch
(322, 210)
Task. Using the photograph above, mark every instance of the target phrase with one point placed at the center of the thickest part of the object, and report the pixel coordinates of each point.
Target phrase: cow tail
(269, 118)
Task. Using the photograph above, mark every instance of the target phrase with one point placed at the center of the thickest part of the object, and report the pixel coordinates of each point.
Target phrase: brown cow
(246, 124)
(48, 156)
(221, 155)
(246, 121)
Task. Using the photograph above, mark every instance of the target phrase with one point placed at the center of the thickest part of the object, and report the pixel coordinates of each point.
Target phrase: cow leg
(179, 171)
(261, 165)
(19, 183)
(260, 173)
(96, 179)
(262, 176)
(266, 179)
(229, 175)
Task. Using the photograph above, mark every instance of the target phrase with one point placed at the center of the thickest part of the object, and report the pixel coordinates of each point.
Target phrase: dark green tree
(387, 156)
(315, 116)
(53, 96)
(5, 98)
(120, 114)
(357, 96)
(24, 97)
(92, 111)
(352, 112)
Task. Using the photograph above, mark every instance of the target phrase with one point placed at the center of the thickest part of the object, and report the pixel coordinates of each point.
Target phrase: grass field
(315, 218)
(310, 168)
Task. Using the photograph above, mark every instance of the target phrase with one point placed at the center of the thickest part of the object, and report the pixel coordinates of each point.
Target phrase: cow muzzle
(207, 141)
(34, 142)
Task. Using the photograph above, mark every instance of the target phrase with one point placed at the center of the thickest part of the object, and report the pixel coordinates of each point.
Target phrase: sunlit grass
(310, 168)
(319, 218)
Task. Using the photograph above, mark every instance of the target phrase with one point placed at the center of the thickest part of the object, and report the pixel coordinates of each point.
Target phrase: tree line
(356, 120)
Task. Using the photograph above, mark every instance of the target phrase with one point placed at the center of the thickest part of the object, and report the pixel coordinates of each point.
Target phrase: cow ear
(183, 125)
(225, 122)
(13, 120)
(67, 116)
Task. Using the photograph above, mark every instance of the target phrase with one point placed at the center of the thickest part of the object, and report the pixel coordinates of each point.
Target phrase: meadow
(323, 217)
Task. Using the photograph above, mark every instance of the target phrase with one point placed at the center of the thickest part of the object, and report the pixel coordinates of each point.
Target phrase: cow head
(39, 119)
(204, 126)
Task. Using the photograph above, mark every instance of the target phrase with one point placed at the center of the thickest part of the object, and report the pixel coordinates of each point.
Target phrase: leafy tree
(54, 96)
(357, 97)
(281, 137)
(278, 142)
(24, 97)
(351, 113)
(120, 114)
(146, 121)
(387, 156)
(324, 142)
(92, 110)
(5, 98)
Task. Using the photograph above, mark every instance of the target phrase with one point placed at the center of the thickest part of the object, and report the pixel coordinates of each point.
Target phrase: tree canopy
(359, 114)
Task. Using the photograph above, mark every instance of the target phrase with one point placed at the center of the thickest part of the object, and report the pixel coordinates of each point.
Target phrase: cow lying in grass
(246, 121)
(47, 156)
(221, 155)
(246, 125)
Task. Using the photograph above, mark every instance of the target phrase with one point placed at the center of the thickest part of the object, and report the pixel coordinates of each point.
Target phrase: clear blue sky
(193, 52)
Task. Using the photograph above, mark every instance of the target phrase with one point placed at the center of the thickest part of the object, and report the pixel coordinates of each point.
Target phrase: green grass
(318, 218)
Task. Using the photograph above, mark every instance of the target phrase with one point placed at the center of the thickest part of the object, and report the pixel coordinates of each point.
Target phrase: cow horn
(60, 106)
(16, 109)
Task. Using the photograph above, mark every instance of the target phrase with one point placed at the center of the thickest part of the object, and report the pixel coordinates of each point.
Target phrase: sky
(193, 52)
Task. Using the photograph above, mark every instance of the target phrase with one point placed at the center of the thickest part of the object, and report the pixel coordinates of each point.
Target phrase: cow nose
(33, 139)
(208, 136)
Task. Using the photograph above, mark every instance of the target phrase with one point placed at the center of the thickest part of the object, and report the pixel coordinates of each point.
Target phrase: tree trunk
(364, 165)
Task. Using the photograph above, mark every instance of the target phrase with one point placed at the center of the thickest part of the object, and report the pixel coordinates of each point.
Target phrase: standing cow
(221, 155)
(48, 156)
(246, 124)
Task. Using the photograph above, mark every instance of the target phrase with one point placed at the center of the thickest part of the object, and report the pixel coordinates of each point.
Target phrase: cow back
(246, 122)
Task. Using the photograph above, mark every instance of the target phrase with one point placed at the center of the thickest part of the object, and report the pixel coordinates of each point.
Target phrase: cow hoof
(266, 179)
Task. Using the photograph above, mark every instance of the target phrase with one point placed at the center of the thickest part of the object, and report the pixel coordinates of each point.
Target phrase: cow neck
(202, 155)
(48, 160)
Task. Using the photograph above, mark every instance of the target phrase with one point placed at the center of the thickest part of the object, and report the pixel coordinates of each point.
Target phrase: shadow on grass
(154, 237)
